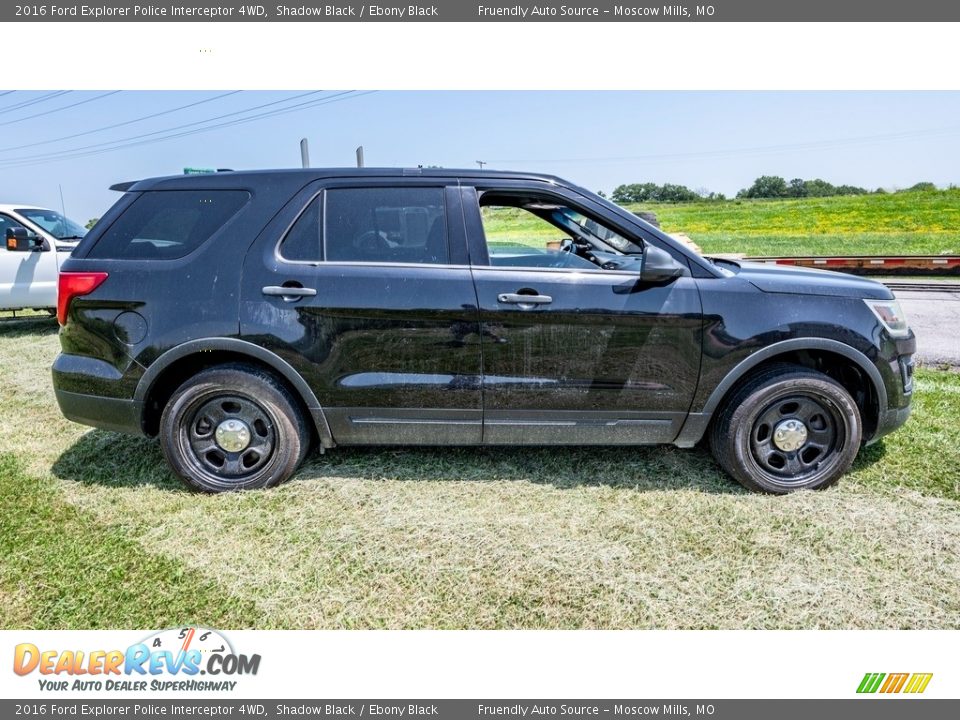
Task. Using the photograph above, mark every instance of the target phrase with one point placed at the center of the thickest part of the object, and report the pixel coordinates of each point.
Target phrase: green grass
(911, 223)
(97, 533)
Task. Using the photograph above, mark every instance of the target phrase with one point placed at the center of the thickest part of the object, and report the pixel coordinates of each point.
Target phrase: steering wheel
(371, 242)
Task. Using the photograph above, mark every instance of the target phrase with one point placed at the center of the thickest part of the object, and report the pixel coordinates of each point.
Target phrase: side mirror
(22, 240)
(659, 266)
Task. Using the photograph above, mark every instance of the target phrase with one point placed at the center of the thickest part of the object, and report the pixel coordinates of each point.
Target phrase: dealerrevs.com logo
(179, 659)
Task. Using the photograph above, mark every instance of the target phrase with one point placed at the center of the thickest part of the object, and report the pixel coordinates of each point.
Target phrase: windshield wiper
(71, 237)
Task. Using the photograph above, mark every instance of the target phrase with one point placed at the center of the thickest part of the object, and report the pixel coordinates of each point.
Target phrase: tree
(797, 188)
(766, 186)
(633, 193)
(601, 193)
(850, 190)
(91, 222)
(651, 192)
(922, 187)
(819, 188)
(676, 193)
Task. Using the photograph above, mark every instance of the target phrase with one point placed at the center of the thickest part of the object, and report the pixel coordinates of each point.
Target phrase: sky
(80, 143)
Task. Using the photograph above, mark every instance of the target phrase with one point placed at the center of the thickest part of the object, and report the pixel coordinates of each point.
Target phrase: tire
(264, 445)
(744, 437)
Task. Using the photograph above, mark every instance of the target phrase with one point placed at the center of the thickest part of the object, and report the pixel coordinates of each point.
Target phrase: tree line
(766, 186)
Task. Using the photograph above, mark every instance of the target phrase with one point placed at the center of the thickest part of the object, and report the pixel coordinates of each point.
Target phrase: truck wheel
(786, 429)
(233, 427)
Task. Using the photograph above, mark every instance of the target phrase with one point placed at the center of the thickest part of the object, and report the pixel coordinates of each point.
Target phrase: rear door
(364, 287)
(574, 353)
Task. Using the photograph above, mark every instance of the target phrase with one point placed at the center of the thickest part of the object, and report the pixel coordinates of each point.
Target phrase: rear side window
(394, 225)
(302, 243)
(168, 224)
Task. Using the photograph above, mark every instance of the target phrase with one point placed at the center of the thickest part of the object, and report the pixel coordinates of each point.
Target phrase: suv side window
(302, 242)
(527, 230)
(168, 224)
(392, 225)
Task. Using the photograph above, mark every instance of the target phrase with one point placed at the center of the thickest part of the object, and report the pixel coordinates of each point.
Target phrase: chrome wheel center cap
(790, 435)
(233, 435)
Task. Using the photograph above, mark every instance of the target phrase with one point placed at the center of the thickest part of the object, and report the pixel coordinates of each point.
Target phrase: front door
(27, 279)
(575, 348)
(369, 296)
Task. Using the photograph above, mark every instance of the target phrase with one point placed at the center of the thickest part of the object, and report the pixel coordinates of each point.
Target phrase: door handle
(520, 299)
(290, 294)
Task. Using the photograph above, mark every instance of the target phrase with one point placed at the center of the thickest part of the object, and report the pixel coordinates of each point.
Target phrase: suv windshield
(60, 227)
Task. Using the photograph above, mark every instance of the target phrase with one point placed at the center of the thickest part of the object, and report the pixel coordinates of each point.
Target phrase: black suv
(245, 316)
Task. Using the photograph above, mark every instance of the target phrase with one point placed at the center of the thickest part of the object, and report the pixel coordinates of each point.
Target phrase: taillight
(75, 284)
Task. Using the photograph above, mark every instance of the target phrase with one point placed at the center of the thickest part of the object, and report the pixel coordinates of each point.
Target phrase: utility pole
(481, 163)
(360, 156)
(304, 152)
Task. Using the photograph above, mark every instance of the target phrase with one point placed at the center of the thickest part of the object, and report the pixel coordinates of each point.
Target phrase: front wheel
(233, 427)
(787, 429)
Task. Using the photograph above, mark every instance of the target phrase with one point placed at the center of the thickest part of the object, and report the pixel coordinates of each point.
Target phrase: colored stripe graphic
(870, 682)
(894, 683)
(918, 683)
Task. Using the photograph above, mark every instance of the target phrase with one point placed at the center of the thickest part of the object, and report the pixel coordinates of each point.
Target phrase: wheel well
(186, 367)
(838, 367)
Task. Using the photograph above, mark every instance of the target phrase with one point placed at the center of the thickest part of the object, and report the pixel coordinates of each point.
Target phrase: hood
(807, 281)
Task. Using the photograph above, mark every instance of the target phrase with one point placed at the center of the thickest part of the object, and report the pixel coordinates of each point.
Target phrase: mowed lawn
(94, 532)
(907, 223)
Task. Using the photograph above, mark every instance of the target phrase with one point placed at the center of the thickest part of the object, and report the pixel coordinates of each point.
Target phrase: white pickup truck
(35, 242)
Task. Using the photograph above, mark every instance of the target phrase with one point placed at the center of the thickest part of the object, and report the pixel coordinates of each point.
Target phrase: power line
(121, 124)
(64, 107)
(330, 99)
(33, 101)
(71, 151)
(757, 150)
(7, 92)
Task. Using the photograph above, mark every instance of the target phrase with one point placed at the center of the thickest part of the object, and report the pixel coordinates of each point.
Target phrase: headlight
(890, 315)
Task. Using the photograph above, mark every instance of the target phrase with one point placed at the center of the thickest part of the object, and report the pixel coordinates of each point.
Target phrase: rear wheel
(786, 429)
(233, 427)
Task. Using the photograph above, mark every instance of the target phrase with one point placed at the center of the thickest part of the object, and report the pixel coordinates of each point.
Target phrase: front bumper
(899, 387)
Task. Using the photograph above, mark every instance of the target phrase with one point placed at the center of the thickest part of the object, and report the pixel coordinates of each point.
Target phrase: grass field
(909, 223)
(96, 533)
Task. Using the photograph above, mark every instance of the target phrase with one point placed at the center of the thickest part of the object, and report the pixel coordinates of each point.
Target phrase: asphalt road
(935, 318)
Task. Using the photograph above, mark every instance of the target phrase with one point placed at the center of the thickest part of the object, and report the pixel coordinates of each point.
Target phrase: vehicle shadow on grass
(116, 460)
(33, 325)
(629, 468)
(123, 461)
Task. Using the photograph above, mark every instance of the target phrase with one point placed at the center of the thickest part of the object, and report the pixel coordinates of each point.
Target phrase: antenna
(360, 156)
(304, 152)
(63, 207)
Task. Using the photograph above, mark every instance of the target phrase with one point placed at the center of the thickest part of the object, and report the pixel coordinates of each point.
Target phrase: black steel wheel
(787, 428)
(233, 427)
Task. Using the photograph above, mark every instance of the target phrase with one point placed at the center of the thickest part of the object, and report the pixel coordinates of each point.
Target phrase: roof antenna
(63, 208)
(304, 153)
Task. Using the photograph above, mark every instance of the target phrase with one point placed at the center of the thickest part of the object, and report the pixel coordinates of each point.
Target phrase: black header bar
(485, 11)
